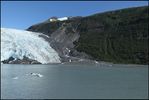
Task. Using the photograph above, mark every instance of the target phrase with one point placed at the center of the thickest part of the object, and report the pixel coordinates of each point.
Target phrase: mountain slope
(18, 46)
(117, 36)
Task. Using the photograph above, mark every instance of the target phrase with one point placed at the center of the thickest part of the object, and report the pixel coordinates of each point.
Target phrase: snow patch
(63, 18)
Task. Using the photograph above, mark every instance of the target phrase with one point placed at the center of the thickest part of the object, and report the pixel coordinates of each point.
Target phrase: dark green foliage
(118, 36)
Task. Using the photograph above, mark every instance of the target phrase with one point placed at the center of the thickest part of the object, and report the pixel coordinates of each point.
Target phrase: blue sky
(22, 14)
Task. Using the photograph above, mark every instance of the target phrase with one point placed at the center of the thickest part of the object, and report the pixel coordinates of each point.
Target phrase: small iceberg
(15, 78)
(96, 62)
(36, 74)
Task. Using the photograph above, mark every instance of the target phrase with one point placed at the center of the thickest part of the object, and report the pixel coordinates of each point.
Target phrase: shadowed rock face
(118, 36)
(25, 60)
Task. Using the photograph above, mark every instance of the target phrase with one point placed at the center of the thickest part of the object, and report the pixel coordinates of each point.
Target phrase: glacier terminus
(19, 44)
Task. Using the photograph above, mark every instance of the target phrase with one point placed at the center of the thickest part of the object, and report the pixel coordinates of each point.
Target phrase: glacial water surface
(74, 81)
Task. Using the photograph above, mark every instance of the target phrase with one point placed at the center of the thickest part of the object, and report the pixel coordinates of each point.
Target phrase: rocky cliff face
(118, 36)
(62, 37)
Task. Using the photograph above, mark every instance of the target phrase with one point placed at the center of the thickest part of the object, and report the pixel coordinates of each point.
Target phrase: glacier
(19, 43)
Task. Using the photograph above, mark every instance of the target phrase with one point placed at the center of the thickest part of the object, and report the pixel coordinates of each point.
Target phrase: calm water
(74, 81)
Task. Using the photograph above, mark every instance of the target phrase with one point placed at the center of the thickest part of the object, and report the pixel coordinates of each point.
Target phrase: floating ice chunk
(96, 62)
(39, 75)
(36, 74)
(15, 78)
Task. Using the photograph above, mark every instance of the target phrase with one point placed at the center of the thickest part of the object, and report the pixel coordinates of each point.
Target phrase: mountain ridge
(119, 36)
